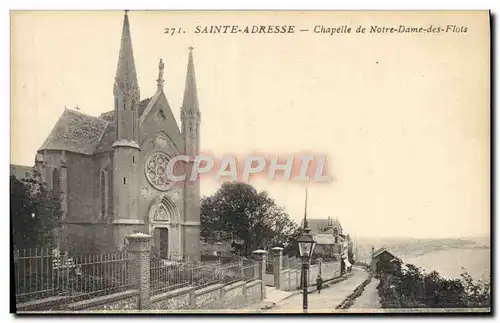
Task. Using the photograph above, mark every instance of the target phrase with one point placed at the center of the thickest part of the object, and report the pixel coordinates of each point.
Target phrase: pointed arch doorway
(166, 228)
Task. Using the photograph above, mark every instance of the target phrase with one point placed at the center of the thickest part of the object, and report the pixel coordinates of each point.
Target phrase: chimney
(373, 251)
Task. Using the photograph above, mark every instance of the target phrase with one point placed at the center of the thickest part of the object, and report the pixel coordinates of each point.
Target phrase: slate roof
(380, 251)
(108, 137)
(317, 225)
(81, 133)
(143, 104)
(76, 132)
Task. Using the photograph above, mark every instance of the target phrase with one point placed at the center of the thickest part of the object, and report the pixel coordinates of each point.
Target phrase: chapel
(110, 170)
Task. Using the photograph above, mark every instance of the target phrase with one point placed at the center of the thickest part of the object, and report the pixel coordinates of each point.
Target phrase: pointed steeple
(126, 90)
(190, 101)
(126, 75)
(306, 226)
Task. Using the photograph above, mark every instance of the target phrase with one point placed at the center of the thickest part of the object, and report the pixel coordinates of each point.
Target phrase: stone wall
(177, 299)
(119, 302)
(290, 278)
(269, 279)
(313, 274)
(212, 297)
(82, 206)
(126, 300)
(330, 270)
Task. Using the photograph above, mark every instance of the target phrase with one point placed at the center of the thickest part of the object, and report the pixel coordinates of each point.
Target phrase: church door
(161, 235)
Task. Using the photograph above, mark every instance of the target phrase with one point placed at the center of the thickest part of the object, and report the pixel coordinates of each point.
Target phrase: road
(329, 298)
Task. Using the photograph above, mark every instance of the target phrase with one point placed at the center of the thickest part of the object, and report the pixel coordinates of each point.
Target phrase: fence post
(260, 256)
(139, 246)
(278, 261)
(192, 298)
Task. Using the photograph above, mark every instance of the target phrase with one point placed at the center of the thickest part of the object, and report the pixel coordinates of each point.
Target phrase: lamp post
(306, 247)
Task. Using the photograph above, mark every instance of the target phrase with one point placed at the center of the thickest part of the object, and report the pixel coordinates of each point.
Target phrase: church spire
(126, 89)
(306, 226)
(126, 75)
(190, 101)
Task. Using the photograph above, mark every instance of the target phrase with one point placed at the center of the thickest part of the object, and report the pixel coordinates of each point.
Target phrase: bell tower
(126, 151)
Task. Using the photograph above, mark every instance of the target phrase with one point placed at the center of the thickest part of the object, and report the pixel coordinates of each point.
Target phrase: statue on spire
(161, 67)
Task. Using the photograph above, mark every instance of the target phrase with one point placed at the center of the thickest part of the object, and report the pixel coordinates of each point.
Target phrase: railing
(44, 272)
(270, 264)
(166, 276)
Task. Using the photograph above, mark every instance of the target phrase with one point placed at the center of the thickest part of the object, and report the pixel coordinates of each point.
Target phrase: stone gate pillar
(260, 256)
(139, 246)
(277, 266)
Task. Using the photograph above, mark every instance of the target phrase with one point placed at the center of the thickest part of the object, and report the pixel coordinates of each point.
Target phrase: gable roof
(147, 106)
(380, 251)
(317, 225)
(109, 135)
(75, 132)
(85, 134)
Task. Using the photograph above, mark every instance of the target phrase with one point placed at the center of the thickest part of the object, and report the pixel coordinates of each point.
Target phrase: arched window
(166, 211)
(104, 194)
(56, 182)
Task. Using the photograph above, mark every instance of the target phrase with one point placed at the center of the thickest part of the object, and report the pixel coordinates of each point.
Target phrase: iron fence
(42, 273)
(270, 263)
(167, 275)
(45, 272)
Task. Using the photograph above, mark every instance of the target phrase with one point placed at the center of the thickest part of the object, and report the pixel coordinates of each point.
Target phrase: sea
(449, 263)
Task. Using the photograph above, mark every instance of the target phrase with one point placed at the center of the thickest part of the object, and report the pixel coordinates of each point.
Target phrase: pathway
(329, 298)
(369, 299)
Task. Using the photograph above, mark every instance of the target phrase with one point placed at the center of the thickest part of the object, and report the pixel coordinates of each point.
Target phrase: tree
(34, 211)
(292, 248)
(411, 287)
(251, 216)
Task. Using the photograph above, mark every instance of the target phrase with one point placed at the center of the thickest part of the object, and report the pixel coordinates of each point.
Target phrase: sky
(402, 118)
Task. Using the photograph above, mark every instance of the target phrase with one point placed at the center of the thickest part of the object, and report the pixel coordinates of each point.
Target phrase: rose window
(156, 171)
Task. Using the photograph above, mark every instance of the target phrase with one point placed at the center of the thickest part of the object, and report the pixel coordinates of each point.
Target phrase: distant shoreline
(451, 262)
(418, 253)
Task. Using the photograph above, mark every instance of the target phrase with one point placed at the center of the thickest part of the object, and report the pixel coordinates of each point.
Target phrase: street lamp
(306, 247)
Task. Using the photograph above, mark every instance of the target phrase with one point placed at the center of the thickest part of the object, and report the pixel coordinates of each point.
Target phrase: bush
(412, 288)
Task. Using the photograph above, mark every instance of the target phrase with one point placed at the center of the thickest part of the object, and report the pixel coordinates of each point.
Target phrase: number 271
(172, 31)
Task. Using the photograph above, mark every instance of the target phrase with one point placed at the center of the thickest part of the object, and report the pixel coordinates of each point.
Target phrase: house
(322, 225)
(383, 261)
(326, 247)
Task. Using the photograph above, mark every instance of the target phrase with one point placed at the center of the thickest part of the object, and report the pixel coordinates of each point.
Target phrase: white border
(190, 5)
